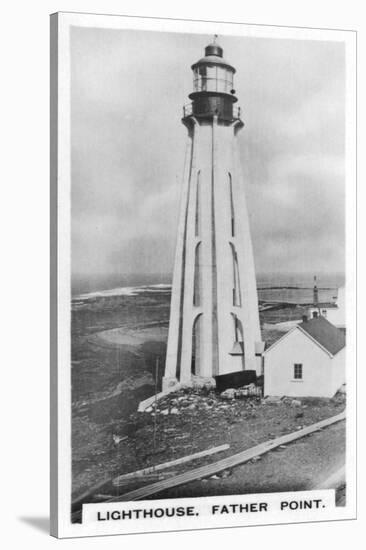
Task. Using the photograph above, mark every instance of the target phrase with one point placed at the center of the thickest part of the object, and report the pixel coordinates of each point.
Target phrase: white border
(65, 22)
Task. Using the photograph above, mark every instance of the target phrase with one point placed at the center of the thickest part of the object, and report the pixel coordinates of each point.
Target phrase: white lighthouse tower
(214, 321)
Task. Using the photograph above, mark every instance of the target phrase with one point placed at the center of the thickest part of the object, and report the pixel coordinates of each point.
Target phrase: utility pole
(155, 402)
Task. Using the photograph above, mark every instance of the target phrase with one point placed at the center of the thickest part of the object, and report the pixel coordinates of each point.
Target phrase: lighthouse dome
(214, 49)
(213, 56)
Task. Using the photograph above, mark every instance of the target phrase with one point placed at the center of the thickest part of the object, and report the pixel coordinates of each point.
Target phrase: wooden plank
(225, 463)
(150, 477)
(120, 480)
(79, 500)
(152, 469)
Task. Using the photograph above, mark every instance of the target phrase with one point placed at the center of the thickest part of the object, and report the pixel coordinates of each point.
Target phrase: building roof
(330, 338)
(213, 60)
(326, 334)
(213, 56)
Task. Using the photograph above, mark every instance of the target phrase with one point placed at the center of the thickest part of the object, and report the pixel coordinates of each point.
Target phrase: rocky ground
(193, 420)
(299, 466)
(109, 380)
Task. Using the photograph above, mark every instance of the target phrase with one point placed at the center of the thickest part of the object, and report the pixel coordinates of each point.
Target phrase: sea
(271, 286)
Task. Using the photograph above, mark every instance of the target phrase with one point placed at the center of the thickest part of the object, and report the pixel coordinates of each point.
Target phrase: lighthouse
(214, 321)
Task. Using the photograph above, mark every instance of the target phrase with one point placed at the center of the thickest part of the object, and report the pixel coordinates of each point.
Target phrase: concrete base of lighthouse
(172, 384)
(169, 384)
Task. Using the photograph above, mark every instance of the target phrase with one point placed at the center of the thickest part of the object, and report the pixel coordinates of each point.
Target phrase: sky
(128, 145)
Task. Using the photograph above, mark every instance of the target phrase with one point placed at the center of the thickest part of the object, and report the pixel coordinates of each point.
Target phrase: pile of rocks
(251, 390)
(277, 400)
(199, 399)
(220, 475)
(181, 402)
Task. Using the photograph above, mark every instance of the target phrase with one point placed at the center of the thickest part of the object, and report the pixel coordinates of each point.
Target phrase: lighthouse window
(238, 340)
(197, 277)
(239, 330)
(196, 80)
(213, 78)
(224, 80)
(211, 71)
(196, 344)
(202, 79)
(236, 278)
(221, 74)
(236, 328)
(197, 217)
(231, 206)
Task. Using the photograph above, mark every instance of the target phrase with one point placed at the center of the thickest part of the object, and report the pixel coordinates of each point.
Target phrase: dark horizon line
(170, 273)
(312, 273)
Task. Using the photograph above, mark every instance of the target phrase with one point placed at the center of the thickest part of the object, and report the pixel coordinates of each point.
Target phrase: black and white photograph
(205, 368)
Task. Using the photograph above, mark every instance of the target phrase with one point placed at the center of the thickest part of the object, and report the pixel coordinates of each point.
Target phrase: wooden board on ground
(229, 462)
(141, 475)
(158, 467)
(144, 478)
(80, 499)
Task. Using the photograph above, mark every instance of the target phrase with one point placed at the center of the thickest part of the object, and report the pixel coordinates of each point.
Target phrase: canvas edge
(53, 276)
(56, 524)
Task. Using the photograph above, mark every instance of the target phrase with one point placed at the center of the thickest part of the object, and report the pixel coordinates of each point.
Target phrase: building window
(315, 314)
(298, 371)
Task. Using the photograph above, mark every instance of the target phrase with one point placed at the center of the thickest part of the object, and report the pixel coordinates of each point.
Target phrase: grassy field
(108, 379)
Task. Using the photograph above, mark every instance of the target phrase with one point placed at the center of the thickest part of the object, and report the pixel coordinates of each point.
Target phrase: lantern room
(213, 86)
(212, 73)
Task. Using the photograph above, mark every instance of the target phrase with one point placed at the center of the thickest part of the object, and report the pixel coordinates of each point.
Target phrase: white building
(308, 361)
(334, 312)
(337, 315)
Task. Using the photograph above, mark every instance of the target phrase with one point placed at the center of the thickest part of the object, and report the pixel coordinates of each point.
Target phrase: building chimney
(315, 293)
